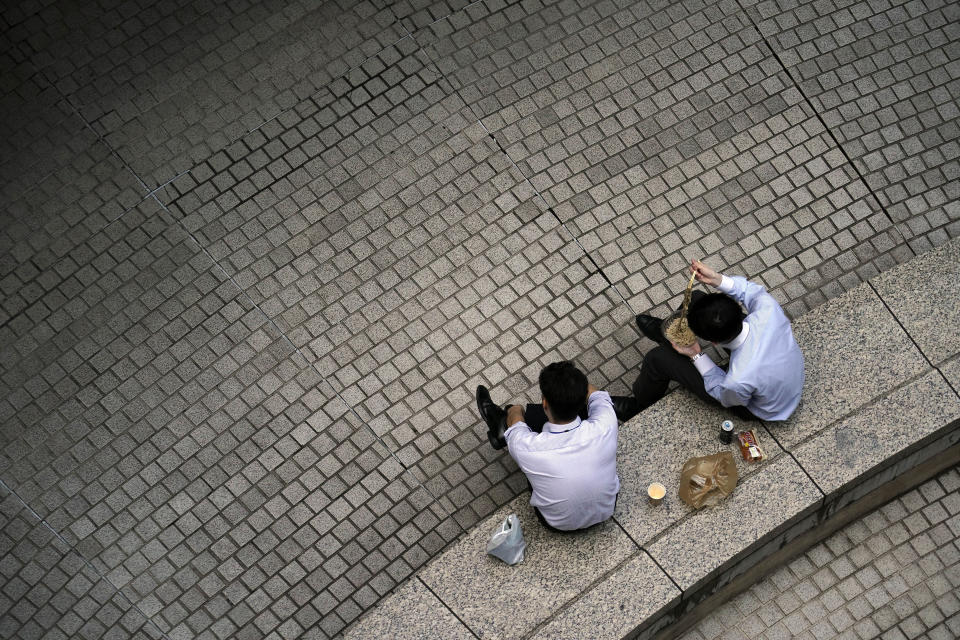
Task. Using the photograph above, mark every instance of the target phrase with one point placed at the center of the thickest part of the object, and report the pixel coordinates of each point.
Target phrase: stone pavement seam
(46, 525)
(543, 200)
(827, 264)
(562, 224)
(893, 573)
(654, 560)
(596, 582)
(789, 452)
(546, 205)
(312, 364)
(833, 136)
(332, 80)
(860, 408)
(915, 344)
(448, 608)
(433, 11)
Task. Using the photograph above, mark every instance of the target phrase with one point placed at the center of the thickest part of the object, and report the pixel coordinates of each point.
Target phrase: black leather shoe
(625, 407)
(494, 416)
(650, 327)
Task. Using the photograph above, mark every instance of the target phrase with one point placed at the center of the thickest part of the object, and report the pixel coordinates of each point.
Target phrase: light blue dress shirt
(766, 366)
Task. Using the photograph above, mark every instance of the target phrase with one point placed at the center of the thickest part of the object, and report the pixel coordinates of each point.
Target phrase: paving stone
(329, 158)
(59, 185)
(633, 592)
(555, 568)
(414, 595)
(855, 334)
(932, 326)
(652, 154)
(687, 558)
(861, 444)
(49, 591)
(639, 464)
(203, 460)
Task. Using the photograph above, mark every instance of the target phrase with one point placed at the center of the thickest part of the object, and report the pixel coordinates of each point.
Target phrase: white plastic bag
(507, 541)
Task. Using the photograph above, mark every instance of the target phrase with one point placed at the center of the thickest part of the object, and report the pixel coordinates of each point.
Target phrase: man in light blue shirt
(764, 378)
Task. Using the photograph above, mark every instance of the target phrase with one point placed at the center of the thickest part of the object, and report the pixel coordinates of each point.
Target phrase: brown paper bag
(707, 480)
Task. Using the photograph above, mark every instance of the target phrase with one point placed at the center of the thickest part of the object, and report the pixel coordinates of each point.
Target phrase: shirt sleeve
(515, 434)
(728, 392)
(600, 408)
(750, 294)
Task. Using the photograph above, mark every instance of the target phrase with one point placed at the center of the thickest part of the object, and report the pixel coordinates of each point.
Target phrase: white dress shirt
(766, 366)
(571, 467)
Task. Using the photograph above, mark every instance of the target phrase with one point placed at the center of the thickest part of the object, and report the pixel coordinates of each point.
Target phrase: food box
(750, 446)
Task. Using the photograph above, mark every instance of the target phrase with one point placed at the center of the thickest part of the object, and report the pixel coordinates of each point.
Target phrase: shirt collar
(562, 428)
(739, 340)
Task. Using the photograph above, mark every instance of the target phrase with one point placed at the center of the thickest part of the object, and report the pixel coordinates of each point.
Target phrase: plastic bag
(507, 541)
(706, 481)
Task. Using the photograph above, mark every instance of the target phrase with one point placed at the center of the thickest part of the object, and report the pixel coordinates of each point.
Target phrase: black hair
(715, 317)
(564, 387)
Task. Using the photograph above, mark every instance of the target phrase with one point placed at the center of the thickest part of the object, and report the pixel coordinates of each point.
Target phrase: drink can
(726, 432)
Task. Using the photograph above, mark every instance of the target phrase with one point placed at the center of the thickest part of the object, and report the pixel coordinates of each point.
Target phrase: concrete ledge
(499, 601)
(880, 415)
(411, 612)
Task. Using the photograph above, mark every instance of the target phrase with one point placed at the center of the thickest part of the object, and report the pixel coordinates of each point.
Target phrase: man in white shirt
(570, 459)
(764, 378)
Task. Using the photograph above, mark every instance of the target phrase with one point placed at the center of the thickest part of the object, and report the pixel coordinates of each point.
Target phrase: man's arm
(716, 383)
(599, 405)
(715, 380)
(514, 415)
(750, 294)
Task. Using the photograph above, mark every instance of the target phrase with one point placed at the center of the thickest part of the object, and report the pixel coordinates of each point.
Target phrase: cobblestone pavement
(893, 574)
(256, 257)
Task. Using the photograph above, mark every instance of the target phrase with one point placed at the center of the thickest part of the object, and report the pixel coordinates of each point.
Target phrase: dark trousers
(661, 365)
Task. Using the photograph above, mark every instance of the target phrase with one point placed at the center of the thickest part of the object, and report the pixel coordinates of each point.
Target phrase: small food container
(750, 446)
(656, 493)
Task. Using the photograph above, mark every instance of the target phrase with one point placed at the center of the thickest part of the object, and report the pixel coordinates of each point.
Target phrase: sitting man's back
(570, 462)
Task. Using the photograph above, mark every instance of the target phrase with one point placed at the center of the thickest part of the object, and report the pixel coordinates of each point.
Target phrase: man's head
(715, 317)
(564, 388)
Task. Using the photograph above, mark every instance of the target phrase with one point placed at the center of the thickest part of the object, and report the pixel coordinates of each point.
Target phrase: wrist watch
(697, 357)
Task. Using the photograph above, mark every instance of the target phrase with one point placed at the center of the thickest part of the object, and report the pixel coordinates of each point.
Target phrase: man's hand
(690, 351)
(705, 274)
(590, 390)
(514, 415)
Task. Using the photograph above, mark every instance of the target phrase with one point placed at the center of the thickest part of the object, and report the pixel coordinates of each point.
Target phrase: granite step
(880, 414)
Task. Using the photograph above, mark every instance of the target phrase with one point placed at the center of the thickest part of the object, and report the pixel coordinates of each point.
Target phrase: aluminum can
(726, 432)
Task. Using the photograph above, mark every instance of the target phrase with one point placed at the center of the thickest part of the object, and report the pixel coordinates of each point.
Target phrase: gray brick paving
(885, 78)
(60, 184)
(50, 592)
(167, 84)
(256, 257)
(895, 573)
(706, 147)
(195, 459)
